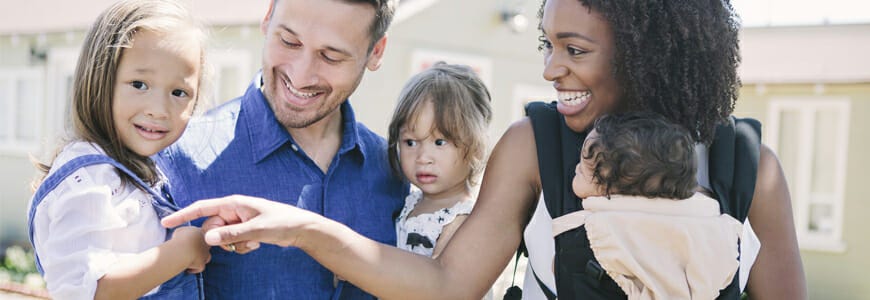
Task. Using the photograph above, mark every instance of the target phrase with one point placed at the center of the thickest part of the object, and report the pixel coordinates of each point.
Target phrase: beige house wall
(788, 61)
(832, 275)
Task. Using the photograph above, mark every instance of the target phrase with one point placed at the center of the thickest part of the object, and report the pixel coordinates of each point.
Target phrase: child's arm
(83, 229)
(133, 277)
(447, 233)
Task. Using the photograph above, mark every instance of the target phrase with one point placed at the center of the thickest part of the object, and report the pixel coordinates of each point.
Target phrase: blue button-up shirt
(241, 148)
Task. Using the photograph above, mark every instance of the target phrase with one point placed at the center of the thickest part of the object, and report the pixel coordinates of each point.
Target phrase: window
(61, 65)
(232, 74)
(422, 59)
(810, 136)
(523, 94)
(20, 110)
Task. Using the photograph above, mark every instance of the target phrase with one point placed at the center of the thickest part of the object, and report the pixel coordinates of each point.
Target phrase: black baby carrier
(733, 163)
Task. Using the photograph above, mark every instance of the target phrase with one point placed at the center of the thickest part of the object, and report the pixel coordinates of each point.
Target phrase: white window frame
(61, 65)
(422, 59)
(800, 190)
(9, 120)
(219, 58)
(524, 92)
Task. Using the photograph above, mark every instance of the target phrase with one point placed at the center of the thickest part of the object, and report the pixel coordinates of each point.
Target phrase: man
(292, 138)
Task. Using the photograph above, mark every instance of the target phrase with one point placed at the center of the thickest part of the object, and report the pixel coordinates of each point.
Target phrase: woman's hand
(244, 222)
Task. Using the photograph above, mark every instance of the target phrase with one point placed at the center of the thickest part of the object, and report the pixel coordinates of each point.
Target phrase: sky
(756, 13)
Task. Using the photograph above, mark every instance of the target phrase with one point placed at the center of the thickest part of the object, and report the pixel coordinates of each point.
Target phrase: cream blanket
(660, 248)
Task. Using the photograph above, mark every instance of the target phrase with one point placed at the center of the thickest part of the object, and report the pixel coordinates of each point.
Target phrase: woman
(677, 59)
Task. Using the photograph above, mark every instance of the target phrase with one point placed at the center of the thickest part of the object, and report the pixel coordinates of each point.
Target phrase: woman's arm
(778, 271)
(466, 269)
(136, 275)
(446, 234)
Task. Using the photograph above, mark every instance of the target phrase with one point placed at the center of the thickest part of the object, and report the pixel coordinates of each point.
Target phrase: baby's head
(450, 105)
(138, 79)
(636, 153)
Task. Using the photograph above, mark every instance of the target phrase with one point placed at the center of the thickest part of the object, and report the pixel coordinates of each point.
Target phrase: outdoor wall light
(515, 20)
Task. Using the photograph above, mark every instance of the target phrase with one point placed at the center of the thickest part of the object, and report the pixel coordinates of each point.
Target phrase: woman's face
(578, 53)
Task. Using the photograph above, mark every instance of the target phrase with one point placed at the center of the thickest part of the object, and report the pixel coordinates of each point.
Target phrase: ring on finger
(232, 247)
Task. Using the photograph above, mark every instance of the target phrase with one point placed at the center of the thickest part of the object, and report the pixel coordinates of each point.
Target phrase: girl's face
(430, 162)
(578, 53)
(155, 90)
(583, 184)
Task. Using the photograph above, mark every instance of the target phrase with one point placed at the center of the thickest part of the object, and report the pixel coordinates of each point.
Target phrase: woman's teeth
(574, 98)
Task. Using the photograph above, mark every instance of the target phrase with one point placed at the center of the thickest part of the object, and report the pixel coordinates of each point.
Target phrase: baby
(647, 227)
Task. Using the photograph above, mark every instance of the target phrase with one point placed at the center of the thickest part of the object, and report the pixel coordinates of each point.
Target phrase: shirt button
(294, 147)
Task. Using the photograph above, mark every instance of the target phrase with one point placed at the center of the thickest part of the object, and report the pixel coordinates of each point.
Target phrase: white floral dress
(419, 233)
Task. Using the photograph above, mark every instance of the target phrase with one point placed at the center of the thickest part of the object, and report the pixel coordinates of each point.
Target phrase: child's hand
(192, 241)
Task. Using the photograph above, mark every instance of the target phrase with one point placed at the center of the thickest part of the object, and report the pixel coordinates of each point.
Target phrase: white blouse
(419, 234)
(541, 244)
(90, 222)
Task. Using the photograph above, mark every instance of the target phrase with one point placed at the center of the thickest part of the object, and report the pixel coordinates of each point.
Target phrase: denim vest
(183, 285)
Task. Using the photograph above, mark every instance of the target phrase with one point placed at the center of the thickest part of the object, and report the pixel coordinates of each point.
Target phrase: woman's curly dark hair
(677, 58)
(641, 154)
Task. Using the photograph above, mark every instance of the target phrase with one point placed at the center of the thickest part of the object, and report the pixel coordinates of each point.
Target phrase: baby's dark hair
(642, 154)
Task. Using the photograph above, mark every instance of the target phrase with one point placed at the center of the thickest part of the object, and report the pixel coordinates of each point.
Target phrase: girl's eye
(440, 142)
(544, 45)
(139, 85)
(179, 93)
(410, 143)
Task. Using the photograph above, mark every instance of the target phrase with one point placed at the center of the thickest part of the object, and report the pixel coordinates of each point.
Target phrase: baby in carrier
(647, 227)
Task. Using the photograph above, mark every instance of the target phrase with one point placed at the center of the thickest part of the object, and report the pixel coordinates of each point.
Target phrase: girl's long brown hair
(94, 78)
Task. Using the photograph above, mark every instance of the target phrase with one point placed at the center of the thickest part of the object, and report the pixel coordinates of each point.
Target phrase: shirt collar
(267, 135)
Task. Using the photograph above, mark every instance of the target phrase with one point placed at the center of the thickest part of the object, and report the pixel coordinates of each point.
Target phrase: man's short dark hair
(384, 11)
(642, 154)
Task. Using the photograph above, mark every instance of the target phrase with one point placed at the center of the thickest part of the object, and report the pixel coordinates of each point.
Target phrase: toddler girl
(437, 141)
(95, 217)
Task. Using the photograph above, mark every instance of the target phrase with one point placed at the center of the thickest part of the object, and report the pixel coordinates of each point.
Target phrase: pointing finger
(199, 209)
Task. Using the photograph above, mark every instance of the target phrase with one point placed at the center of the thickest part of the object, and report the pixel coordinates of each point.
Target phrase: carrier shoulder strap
(733, 165)
(557, 147)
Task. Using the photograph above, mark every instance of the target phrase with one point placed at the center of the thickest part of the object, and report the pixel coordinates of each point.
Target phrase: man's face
(314, 57)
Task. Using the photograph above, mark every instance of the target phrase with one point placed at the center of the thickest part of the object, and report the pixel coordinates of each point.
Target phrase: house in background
(809, 85)
(38, 56)
(39, 46)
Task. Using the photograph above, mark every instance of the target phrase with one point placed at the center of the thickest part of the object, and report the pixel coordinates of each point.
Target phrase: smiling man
(292, 138)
